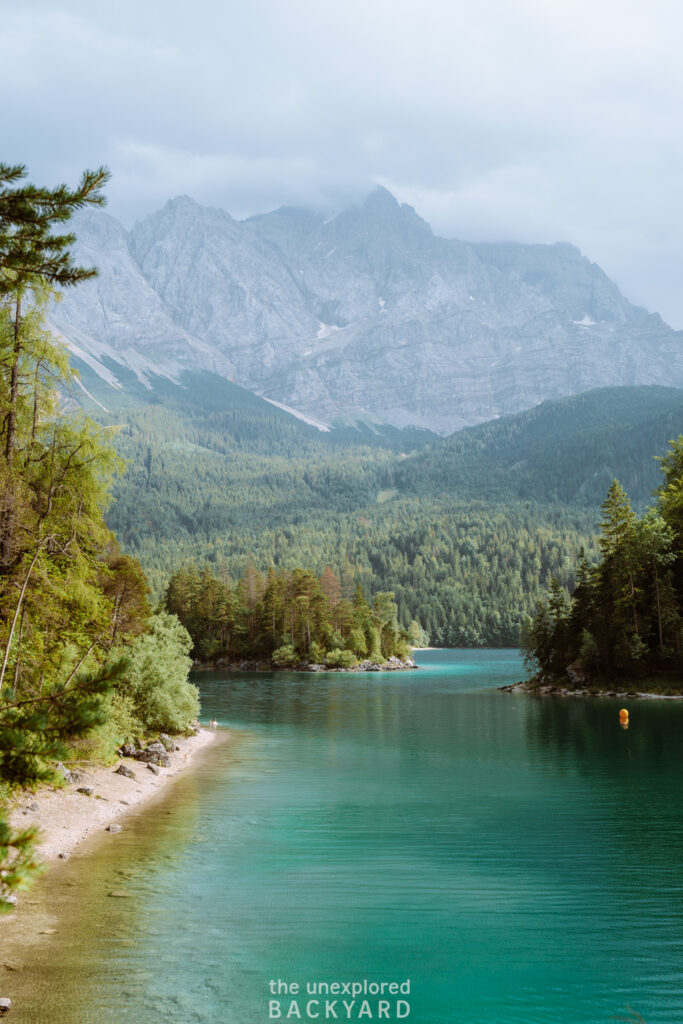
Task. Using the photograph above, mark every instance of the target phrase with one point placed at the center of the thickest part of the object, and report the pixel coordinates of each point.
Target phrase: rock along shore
(552, 690)
(94, 799)
(392, 664)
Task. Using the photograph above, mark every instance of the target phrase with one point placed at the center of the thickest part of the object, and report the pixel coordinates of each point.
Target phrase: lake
(516, 859)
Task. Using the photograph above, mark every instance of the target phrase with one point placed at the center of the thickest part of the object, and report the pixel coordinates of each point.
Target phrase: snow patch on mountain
(312, 422)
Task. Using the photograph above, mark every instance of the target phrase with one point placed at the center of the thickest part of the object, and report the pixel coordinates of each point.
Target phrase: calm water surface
(518, 859)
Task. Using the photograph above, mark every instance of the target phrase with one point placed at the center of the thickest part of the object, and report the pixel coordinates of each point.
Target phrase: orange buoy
(623, 715)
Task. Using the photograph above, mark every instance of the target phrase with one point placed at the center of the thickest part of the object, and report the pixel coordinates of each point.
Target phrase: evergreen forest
(286, 618)
(465, 531)
(623, 624)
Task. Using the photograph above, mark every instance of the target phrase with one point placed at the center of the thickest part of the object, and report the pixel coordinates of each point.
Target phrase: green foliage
(33, 730)
(466, 531)
(119, 725)
(55, 618)
(154, 682)
(34, 733)
(18, 866)
(589, 652)
(417, 636)
(219, 489)
(560, 452)
(285, 616)
(286, 656)
(625, 616)
(316, 652)
(70, 602)
(30, 251)
(340, 659)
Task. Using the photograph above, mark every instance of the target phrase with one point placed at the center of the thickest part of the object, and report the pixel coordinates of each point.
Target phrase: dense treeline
(198, 491)
(287, 617)
(565, 451)
(466, 531)
(625, 616)
(80, 652)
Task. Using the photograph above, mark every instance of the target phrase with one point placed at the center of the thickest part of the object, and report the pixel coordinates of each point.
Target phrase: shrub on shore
(154, 688)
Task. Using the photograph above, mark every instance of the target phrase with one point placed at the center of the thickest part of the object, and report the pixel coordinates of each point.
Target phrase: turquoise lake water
(518, 859)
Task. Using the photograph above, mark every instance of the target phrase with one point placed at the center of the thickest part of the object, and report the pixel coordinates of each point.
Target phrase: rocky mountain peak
(184, 202)
(364, 315)
(381, 199)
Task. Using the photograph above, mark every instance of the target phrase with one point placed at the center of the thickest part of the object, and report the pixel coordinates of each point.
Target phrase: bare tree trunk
(17, 610)
(7, 524)
(13, 387)
(92, 647)
(18, 662)
(659, 609)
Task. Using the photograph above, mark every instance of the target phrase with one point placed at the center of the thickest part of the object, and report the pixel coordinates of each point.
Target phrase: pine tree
(626, 614)
(30, 250)
(57, 622)
(332, 589)
(618, 571)
(33, 735)
(656, 540)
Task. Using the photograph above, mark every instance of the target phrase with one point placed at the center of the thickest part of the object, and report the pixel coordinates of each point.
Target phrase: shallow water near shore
(518, 859)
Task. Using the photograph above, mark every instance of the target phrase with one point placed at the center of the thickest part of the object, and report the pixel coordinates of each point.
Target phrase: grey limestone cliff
(364, 315)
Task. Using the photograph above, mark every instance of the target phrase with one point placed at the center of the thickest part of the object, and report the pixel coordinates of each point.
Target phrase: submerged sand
(66, 817)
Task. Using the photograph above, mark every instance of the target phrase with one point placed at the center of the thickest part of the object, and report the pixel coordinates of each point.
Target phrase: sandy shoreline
(66, 817)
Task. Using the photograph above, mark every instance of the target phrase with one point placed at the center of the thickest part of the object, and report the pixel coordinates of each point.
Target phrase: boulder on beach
(123, 769)
(157, 745)
(155, 754)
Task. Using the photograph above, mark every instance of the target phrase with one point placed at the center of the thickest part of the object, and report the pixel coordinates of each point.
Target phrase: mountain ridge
(365, 316)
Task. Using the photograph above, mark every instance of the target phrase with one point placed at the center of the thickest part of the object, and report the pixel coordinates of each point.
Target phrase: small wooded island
(290, 620)
(622, 629)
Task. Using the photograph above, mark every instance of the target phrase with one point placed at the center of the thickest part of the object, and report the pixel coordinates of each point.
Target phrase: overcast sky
(533, 120)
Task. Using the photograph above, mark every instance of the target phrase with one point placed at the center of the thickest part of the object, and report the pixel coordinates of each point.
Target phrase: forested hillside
(466, 531)
(567, 451)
